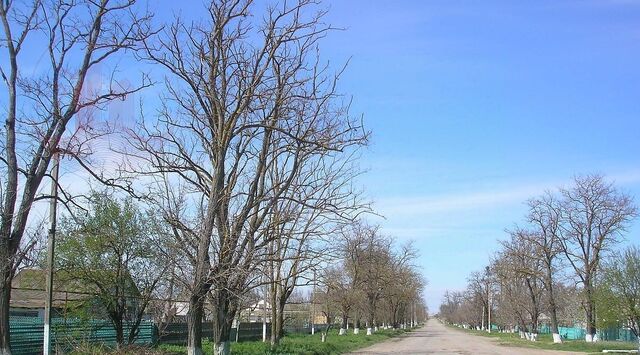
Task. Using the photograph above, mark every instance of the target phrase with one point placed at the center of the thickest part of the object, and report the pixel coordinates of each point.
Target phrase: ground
(435, 338)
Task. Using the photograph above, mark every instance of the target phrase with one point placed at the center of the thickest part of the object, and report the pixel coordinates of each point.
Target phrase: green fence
(176, 333)
(574, 333)
(616, 334)
(571, 333)
(27, 333)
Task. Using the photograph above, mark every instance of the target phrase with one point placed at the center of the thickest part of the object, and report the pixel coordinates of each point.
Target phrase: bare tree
(583, 222)
(594, 216)
(240, 95)
(347, 296)
(367, 254)
(77, 36)
(450, 307)
(513, 300)
(479, 284)
(403, 291)
(520, 254)
(319, 200)
(544, 216)
(328, 309)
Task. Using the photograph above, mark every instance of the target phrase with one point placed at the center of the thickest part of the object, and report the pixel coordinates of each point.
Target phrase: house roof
(28, 289)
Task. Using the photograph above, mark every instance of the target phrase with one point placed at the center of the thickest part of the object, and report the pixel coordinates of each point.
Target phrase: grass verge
(290, 344)
(545, 341)
(299, 344)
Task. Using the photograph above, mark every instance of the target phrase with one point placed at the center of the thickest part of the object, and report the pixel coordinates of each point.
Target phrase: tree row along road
(435, 338)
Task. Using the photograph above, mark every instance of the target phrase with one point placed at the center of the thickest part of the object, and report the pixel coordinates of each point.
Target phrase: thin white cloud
(482, 200)
(412, 206)
(629, 177)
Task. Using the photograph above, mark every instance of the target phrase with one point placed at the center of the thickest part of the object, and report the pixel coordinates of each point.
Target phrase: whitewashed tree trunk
(356, 330)
(375, 329)
(522, 335)
(222, 348)
(534, 337)
(557, 339)
(588, 338)
(342, 331)
(369, 331)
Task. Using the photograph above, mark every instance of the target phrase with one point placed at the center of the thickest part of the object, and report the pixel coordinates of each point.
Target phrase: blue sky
(477, 106)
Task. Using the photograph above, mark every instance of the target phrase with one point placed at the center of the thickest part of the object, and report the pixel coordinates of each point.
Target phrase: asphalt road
(435, 338)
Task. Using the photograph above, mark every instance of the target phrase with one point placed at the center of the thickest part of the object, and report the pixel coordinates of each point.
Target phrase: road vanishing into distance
(435, 338)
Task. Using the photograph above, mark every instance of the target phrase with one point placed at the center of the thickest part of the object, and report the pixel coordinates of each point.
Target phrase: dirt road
(435, 338)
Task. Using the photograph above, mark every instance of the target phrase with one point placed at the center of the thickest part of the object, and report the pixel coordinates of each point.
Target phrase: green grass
(299, 344)
(545, 341)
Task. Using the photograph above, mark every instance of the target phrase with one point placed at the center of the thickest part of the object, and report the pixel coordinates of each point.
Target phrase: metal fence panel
(176, 333)
(574, 333)
(27, 333)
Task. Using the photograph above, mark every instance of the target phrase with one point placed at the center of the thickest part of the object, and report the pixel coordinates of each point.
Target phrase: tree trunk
(5, 296)
(277, 324)
(117, 324)
(224, 318)
(356, 325)
(552, 306)
(394, 322)
(194, 323)
(280, 321)
(344, 325)
(279, 301)
(326, 330)
(590, 313)
(554, 318)
(522, 329)
(134, 329)
(370, 318)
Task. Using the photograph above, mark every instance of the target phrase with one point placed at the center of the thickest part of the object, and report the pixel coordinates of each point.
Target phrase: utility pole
(313, 305)
(238, 320)
(487, 281)
(264, 318)
(51, 243)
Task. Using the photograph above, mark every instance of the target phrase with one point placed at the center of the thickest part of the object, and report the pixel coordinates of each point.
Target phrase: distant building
(28, 294)
(298, 314)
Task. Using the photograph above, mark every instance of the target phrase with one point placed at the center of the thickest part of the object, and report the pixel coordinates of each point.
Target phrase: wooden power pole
(51, 244)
